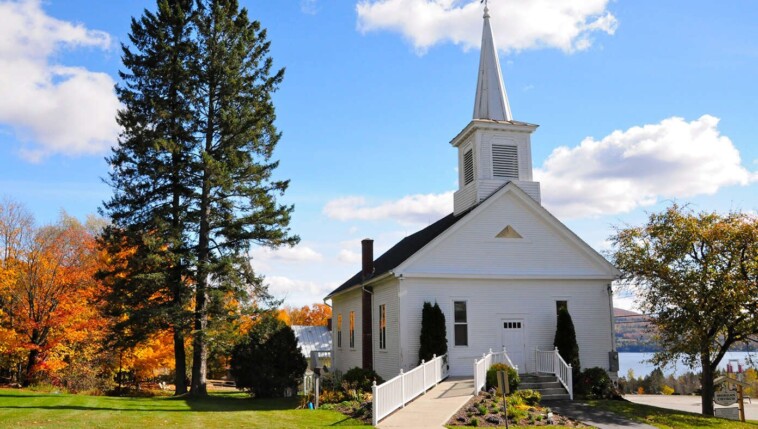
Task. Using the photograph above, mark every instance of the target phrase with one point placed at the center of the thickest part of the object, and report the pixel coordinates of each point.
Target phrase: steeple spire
(491, 99)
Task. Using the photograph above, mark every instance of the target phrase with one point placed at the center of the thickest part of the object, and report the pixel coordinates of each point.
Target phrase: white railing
(550, 362)
(482, 365)
(395, 393)
(320, 359)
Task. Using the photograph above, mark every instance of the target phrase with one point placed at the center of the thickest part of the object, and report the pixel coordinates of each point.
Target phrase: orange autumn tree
(15, 226)
(53, 297)
(313, 315)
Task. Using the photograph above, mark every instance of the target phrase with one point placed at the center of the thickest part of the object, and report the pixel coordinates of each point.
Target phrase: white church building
(499, 265)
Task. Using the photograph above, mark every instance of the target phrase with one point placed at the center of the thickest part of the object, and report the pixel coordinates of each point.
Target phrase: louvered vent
(468, 167)
(505, 161)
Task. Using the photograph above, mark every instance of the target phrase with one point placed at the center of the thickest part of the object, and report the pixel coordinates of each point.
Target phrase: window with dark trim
(460, 326)
(352, 329)
(339, 330)
(382, 327)
(561, 305)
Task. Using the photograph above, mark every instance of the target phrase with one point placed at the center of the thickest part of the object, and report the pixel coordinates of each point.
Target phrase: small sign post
(503, 388)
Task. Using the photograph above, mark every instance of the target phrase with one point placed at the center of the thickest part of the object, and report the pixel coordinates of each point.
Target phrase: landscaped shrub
(433, 340)
(594, 383)
(565, 341)
(529, 396)
(361, 379)
(513, 378)
(331, 380)
(268, 361)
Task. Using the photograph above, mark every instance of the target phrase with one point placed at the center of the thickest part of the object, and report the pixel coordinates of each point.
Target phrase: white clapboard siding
(491, 301)
(470, 247)
(347, 357)
(387, 361)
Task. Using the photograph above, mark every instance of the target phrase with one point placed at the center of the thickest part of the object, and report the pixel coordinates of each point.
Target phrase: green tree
(235, 197)
(433, 340)
(565, 341)
(152, 182)
(269, 360)
(697, 274)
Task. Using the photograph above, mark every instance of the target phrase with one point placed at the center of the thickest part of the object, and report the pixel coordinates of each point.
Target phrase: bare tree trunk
(180, 363)
(706, 383)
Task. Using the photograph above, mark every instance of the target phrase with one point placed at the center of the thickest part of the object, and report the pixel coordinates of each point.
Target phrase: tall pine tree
(151, 181)
(236, 197)
(192, 175)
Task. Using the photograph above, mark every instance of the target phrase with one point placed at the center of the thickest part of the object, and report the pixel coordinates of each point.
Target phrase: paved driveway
(687, 403)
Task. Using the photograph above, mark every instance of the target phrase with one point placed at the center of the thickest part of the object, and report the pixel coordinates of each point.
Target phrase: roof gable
(546, 249)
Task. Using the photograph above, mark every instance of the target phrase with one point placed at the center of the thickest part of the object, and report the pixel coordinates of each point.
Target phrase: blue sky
(639, 103)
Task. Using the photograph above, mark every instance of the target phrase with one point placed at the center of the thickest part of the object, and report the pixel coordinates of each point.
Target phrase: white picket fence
(550, 362)
(395, 393)
(482, 365)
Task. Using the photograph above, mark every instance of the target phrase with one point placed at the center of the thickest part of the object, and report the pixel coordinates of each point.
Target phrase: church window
(352, 329)
(461, 323)
(468, 167)
(383, 327)
(505, 161)
(339, 330)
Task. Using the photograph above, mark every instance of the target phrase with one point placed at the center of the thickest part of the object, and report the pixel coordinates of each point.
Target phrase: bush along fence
(482, 365)
(395, 393)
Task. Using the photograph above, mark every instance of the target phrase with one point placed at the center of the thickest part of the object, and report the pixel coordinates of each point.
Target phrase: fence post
(423, 370)
(402, 387)
(555, 362)
(570, 382)
(436, 368)
(374, 405)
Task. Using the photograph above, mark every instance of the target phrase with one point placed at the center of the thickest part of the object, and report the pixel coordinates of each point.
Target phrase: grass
(26, 409)
(665, 418)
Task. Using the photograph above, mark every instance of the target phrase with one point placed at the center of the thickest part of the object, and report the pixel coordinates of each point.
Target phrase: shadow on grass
(663, 416)
(224, 402)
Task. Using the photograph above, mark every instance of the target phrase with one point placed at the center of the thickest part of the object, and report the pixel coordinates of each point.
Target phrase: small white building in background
(312, 338)
(499, 266)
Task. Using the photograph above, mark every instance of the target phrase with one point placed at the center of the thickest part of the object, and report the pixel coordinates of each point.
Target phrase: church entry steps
(548, 386)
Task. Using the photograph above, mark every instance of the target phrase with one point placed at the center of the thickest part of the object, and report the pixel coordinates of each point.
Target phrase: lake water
(637, 362)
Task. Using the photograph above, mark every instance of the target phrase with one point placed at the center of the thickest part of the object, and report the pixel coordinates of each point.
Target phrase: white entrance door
(513, 341)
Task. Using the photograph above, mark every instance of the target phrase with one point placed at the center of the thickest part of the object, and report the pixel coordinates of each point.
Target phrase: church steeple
(493, 149)
(491, 98)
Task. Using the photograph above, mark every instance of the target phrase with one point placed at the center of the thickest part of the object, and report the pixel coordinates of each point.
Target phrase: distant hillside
(632, 332)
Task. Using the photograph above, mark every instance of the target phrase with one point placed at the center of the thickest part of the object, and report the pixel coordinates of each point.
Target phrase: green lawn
(25, 409)
(665, 418)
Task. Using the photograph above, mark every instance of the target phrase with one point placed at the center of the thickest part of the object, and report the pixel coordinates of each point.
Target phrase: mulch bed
(471, 414)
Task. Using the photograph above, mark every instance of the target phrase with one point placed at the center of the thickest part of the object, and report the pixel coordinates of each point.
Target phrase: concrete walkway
(592, 416)
(433, 409)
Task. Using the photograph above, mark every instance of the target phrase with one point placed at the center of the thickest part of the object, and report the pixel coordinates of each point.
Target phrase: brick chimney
(367, 270)
(367, 257)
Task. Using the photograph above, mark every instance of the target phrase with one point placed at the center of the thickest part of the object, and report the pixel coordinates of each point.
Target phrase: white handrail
(482, 365)
(551, 362)
(395, 393)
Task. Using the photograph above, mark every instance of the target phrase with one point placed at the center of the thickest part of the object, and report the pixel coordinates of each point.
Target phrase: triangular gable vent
(508, 232)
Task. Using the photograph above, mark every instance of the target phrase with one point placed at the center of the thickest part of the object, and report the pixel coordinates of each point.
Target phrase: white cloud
(412, 209)
(517, 24)
(298, 292)
(298, 253)
(639, 167)
(51, 107)
(349, 257)
(309, 7)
